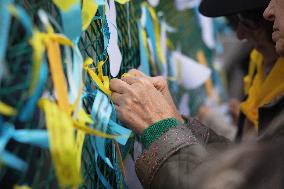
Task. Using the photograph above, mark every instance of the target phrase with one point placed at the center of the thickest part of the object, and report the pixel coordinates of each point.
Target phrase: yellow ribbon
(65, 5)
(122, 1)
(84, 119)
(38, 50)
(145, 43)
(62, 144)
(89, 10)
(153, 14)
(80, 137)
(7, 110)
(125, 75)
(22, 187)
(263, 91)
(101, 81)
(208, 85)
(57, 74)
(255, 61)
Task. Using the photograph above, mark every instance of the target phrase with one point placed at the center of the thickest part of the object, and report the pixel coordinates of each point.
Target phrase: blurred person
(173, 148)
(234, 107)
(215, 119)
(244, 167)
(265, 65)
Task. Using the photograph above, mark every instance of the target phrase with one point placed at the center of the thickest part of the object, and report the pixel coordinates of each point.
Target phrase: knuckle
(162, 80)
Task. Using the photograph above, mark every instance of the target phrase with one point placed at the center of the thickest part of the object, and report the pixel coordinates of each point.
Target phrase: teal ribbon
(72, 22)
(144, 63)
(5, 19)
(37, 138)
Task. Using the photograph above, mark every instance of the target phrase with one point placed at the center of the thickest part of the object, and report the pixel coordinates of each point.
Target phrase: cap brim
(215, 8)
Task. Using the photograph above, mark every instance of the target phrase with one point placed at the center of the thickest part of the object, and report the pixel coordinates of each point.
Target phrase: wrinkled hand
(138, 103)
(160, 84)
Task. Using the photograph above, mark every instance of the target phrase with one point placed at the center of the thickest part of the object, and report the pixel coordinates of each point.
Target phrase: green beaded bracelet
(154, 131)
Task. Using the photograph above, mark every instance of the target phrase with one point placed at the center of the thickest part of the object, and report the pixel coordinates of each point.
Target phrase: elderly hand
(138, 103)
(160, 84)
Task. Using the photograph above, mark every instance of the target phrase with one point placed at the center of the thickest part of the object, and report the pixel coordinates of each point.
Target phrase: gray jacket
(171, 160)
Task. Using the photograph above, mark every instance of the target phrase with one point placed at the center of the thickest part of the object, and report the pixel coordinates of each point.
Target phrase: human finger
(119, 86)
(136, 73)
(130, 79)
(117, 98)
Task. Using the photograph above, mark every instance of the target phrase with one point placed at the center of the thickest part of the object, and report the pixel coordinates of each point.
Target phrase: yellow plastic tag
(208, 85)
(57, 74)
(22, 187)
(62, 144)
(79, 146)
(38, 50)
(100, 70)
(122, 1)
(61, 39)
(125, 75)
(103, 83)
(65, 5)
(7, 110)
(89, 10)
(157, 34)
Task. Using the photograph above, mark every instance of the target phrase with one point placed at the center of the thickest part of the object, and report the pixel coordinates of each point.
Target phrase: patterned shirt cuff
(156, 130)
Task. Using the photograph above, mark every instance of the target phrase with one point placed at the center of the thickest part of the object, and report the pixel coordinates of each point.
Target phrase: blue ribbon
(101, 112)
(33, 137)
(25, 19)
(30, 105)
(5, 19)
(144, 63)
(151, 33)
(72, 22)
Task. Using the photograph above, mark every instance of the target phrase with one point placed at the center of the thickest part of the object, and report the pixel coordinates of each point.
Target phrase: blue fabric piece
(10, 160)
(72, 22)
(30, 105)
(174, 88)
(6, 133)
(144, 63)
(106, 33)
(119, 177)
(102, 178)
(33, 137)
(101, 112)
(123, 132)
(5, 19)
(151, 33)
(116, 129)
(101, 2)
(100, 175)
(13, 161)
(77, 66)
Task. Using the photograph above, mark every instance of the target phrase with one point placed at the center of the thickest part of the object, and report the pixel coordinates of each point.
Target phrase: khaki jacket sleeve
(170, 160)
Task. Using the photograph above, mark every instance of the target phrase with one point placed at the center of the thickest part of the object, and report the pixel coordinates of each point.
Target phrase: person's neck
(269, 58)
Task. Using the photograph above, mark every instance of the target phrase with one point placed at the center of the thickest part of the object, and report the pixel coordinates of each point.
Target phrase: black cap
(215, 8)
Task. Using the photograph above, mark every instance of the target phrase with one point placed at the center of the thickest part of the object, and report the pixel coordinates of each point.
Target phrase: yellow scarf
(263, 91)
